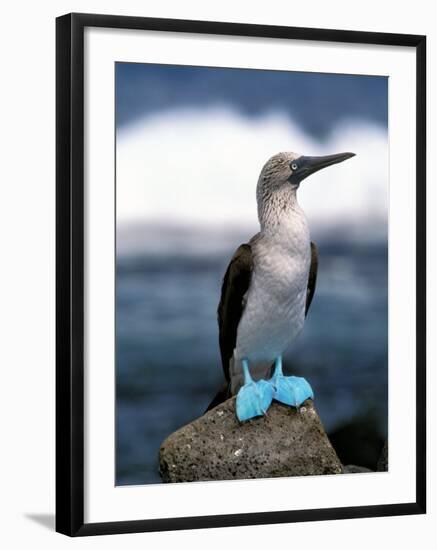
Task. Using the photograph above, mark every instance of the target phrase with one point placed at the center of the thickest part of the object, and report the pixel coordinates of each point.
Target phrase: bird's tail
(222, 395)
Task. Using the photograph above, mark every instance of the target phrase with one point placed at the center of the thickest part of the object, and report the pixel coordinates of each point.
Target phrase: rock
(216, 446)
(353, 469)
(382, 465)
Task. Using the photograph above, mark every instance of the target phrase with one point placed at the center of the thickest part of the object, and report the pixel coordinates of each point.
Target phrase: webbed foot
(254, 398)
(290, 390)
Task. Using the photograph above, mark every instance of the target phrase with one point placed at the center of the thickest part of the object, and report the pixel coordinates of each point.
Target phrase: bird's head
(282, 174)
(285, 169)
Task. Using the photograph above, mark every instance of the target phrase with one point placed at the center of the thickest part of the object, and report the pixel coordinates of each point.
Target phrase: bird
(267, 291)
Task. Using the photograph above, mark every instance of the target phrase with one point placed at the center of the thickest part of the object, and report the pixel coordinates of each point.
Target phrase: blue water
(168, 362)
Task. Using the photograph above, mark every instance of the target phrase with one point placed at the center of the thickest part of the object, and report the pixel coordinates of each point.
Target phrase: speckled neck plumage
(280, 216)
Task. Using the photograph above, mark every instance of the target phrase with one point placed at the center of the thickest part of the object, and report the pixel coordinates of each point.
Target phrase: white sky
(202, 166)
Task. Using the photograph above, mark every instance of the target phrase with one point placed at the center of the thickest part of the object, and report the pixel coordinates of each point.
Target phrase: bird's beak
(310, 165)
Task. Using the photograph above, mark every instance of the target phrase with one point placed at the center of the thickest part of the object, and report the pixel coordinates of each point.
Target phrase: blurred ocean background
(190, 144)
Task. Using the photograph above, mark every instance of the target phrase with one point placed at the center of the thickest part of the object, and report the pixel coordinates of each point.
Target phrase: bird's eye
(294, 166)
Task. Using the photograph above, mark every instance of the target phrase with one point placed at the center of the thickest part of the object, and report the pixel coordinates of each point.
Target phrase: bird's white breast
(274, 311)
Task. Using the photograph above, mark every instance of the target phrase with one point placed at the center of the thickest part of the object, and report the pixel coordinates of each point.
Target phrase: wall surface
(27, 276)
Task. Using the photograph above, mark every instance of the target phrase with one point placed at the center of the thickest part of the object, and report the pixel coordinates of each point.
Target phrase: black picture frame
(70, 273)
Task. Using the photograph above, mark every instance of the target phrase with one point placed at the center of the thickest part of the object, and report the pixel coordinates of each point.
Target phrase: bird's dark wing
(235, 284)
(312, 278)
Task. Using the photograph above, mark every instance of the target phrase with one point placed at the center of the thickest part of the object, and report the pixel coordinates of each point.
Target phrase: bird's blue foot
(290, 390)
(254, 398)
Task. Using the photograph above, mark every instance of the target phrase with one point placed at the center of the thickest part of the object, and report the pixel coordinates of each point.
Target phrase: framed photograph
(240, 274)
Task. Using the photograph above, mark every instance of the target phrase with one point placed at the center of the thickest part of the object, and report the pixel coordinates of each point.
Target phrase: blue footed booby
(267, 291)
